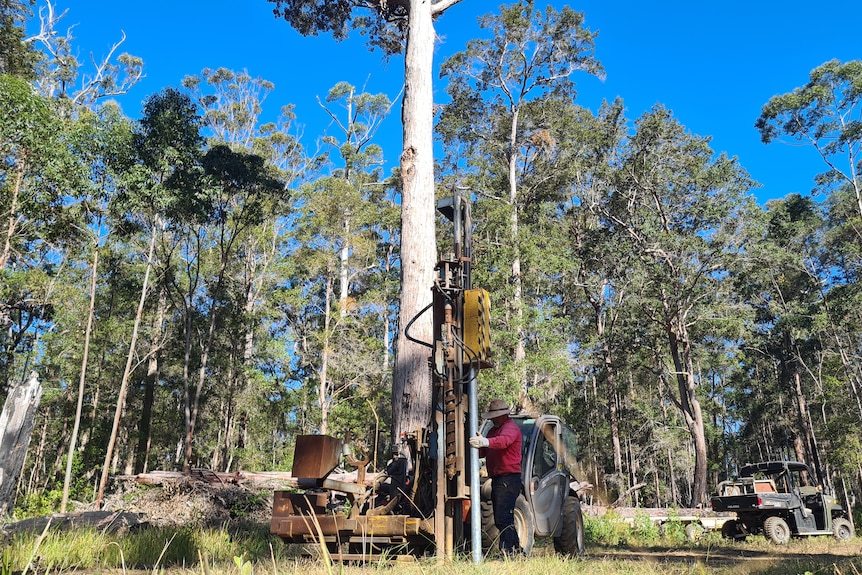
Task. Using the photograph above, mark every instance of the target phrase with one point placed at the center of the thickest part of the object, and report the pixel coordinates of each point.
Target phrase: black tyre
(731, 529)
(571, 539)
(524, 525)
(842, 529)
(490, 533)
(776, 530)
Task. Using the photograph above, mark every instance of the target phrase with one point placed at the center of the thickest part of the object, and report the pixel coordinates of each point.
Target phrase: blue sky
(713, 64)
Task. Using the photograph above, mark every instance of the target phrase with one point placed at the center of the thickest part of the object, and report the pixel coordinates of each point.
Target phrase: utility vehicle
(780, 500)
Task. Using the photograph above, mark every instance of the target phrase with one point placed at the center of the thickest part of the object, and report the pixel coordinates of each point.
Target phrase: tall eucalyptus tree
(167, 148)
(825, 114)
(338, 235)
(232, 105)
(393, 27)
(507, 94)
(40, 179)
(679, 208)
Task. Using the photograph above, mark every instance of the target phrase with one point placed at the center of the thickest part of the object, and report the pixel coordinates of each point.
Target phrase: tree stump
(16, 425)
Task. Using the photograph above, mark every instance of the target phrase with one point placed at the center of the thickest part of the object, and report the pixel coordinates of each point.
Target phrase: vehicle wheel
(731, 529)
(693, 531)
(490, 533)
(776, 530)
(842, 529)
(571, 539)
(524, 525)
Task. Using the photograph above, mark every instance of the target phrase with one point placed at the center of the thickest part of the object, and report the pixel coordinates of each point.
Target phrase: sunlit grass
(253, 551)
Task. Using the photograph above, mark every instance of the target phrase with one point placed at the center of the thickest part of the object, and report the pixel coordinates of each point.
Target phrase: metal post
(464, 236)
(475, 509)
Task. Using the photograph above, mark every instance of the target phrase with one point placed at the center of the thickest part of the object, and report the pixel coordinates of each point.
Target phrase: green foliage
(243, 567)
(673, 530)
(17, 58)
(644, 531)
(607, 529)
(825, 115)
(644, 528)
(383, 24)
(38, 504)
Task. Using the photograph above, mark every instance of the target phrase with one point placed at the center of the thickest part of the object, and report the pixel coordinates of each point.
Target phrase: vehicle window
(545, 458)
(803, 479)
(569, 455)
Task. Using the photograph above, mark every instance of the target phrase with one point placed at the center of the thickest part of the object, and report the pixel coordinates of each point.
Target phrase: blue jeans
(505, 490)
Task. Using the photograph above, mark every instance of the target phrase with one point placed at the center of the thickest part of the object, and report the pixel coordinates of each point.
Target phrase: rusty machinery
(428, 494)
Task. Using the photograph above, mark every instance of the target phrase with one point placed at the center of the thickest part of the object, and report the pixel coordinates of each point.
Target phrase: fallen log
(257, 479)
(104, 521)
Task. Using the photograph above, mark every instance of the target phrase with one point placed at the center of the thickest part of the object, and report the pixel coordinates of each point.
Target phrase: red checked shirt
(503, 454)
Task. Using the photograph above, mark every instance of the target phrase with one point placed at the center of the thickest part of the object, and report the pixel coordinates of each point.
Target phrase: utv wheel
(524, 525)
(571, 539)
(731, 530)
(776, 530)
(842, 529)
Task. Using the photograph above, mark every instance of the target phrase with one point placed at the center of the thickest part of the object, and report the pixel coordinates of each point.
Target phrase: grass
(612, 550)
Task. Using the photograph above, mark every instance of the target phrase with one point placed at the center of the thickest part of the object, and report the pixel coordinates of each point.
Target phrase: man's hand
(479, 441)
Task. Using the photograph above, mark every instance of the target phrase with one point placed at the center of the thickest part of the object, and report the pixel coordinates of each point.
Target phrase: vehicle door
(547, 481)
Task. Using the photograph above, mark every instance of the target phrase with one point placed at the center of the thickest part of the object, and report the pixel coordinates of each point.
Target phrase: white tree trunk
(411, 388)
(16, 425)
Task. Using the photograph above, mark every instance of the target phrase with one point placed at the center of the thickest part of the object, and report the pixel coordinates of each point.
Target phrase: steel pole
(475, 504)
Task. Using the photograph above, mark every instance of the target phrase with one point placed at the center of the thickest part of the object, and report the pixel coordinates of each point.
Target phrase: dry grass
(203, 551)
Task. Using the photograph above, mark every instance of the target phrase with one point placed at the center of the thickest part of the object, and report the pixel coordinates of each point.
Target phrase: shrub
(607, 529)
(645, 529)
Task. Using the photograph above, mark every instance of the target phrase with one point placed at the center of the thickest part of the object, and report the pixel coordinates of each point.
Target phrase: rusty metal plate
(315, 456)
(281, 504)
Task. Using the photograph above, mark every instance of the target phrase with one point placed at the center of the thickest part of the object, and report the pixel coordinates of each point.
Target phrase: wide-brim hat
(496, 408)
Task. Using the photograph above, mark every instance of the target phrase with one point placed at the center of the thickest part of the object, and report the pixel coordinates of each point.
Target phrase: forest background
(196, 286)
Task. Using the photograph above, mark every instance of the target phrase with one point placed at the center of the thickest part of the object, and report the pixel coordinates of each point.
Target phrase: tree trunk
(193, 409)
(150, 382)
(127, 372)
(73, 439)
(324, 393)
(13, 220)
(411, 386)
(689, 406)
(520, 353)
(344, 271)
(16, 425)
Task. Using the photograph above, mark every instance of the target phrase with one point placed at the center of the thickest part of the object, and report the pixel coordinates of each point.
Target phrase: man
(502, 452)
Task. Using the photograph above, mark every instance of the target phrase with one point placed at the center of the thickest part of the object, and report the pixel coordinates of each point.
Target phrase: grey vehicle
(780, 500)
(549, 505)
